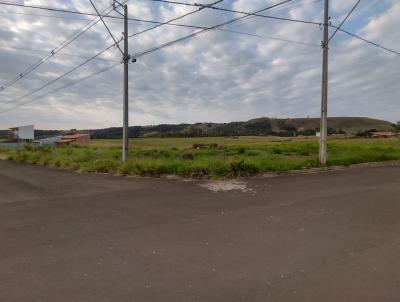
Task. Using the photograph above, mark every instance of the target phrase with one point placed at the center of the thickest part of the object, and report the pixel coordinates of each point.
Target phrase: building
(22, 133)
(82, 139)
(383, 134)
(48, 141)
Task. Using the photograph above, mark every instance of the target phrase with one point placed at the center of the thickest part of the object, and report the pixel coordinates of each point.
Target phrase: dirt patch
(227, 185)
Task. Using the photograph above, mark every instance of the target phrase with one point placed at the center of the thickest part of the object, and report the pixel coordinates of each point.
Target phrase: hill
(259, 126)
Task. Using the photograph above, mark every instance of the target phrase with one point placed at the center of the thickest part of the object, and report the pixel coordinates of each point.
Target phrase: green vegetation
(207, 157)
(256, 127)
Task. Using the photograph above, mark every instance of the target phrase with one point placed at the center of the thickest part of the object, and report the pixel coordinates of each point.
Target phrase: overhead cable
(344, 20)
(51, 53)
(40, 97)
(242, 12)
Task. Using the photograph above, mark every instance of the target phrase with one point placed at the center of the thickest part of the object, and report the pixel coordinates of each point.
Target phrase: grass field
(207, 157)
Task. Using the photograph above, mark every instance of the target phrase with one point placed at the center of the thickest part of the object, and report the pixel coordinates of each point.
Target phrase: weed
(244, 156)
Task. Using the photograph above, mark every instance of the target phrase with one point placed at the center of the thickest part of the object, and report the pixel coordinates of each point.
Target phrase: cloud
(216, 76)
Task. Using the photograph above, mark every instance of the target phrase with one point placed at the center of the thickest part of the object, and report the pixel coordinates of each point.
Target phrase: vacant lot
(208, 157)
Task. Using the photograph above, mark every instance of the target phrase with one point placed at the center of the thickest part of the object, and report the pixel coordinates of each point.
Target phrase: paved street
(329, 236)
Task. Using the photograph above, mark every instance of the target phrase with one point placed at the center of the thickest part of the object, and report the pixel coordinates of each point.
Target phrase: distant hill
(350, 125)
(259, 126)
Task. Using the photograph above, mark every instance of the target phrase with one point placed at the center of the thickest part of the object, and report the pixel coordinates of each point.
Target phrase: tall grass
(230, 158)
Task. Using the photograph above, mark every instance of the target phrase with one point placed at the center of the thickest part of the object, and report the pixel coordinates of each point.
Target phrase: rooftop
(74, 136)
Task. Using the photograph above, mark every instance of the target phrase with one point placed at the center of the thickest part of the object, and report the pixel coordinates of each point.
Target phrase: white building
(22, 133)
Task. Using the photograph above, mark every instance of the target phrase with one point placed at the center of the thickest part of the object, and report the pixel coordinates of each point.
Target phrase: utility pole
(125, 60)
(324, 97)
(125, 131)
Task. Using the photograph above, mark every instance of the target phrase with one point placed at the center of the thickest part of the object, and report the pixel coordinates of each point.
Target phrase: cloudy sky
(217, 76)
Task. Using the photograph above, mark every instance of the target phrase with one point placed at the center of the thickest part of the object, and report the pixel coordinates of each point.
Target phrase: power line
(221, 29)
(367, 41)
(60, 77)
(301, 4)
(215, 27)
(89, 14)
(289, 7)
(144, 52)
(70, 71)
(105, 25)
(241, 12)
(118, 19)
(84, 79)
(205, 30)
(54, 51)
(339, 28)
(61, 54)
(45, 16)
(139, 54)
(157, 48)
(169, 23)
(104, 16)
(149, 21)
(61, 88)
(159, 23)
(278, 7)
(270, 8)
(243, 33)
(136, 55)
(53, 9)
(268, 37)
(344, 20)
(174, 19)
(114, 19)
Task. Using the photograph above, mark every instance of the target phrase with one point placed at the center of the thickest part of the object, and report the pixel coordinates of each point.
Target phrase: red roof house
(82, 139)
(383, 134)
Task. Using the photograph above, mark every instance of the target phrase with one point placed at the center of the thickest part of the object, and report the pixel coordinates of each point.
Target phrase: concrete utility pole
(125, 132)
(324, 97)
(125, 60)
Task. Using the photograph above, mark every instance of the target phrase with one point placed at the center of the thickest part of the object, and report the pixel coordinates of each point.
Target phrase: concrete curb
(330, 169)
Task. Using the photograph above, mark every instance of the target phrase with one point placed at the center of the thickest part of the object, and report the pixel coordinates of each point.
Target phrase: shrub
(199, 172)
(219, 168)
(241, 150)
(242, 168)
(21, 156)
(187, 156)
(28, 147)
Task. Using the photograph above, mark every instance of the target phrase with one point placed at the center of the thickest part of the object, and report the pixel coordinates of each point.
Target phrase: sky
(265, 68)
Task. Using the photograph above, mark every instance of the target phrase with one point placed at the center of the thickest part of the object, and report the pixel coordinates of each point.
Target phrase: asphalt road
(332, 236)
